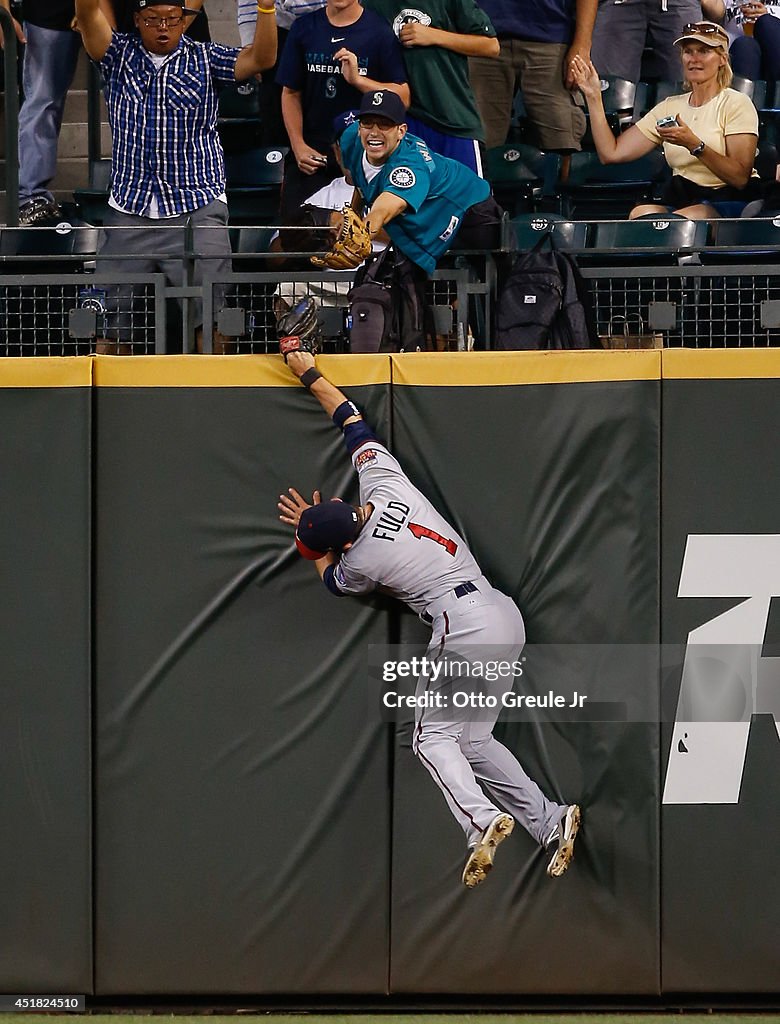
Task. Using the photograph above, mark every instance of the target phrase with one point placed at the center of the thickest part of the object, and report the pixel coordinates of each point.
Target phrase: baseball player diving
(395, 541)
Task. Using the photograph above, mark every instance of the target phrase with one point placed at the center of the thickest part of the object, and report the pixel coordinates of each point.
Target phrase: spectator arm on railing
(94, 27)
(17, 27)
(260, 55)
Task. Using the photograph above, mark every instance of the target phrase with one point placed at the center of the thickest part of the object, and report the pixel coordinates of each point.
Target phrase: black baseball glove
(299, 329)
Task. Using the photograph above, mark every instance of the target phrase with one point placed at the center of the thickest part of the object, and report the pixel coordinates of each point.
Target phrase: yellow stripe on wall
(494, 369)
(721, 364)
(267, 371)
(452, 369)
(46, 372)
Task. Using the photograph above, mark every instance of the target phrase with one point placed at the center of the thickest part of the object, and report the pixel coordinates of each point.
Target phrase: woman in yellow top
(708, 133)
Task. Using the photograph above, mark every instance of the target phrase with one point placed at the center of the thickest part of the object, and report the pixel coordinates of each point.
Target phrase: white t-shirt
(733, 18)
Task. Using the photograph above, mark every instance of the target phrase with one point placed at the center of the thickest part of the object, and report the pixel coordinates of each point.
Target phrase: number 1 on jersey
(423, 531)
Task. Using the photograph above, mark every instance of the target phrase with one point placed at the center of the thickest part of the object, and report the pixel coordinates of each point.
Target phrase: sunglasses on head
(704, 29)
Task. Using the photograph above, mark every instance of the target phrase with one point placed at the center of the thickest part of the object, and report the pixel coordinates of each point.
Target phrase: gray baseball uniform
(408, 550)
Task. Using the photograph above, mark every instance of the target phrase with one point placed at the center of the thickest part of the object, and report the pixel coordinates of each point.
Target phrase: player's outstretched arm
(327, 394)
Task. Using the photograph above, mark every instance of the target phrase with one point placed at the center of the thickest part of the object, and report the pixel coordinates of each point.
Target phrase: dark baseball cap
(326, 527)
(383, 103)
(341, 122)
(143, 5)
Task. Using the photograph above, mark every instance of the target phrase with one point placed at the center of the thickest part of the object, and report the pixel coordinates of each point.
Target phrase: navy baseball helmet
(383, 103)
(326, 527)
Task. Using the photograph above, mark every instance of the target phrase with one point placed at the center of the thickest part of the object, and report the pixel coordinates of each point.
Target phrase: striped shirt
(166, 153)
(286, 13)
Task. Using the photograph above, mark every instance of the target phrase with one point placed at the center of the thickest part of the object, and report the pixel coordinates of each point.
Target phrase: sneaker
(564, 834)
(480, 860)
(39, 210)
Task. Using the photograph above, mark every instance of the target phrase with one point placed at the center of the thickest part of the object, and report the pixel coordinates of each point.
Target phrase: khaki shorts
(536, 69)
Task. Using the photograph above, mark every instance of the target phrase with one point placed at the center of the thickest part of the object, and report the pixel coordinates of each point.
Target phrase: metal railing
(53, 302)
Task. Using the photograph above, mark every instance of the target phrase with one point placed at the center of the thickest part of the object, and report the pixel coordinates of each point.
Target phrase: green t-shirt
(439, 78)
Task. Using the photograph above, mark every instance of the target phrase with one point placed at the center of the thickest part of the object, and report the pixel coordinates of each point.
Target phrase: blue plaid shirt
(164, 124)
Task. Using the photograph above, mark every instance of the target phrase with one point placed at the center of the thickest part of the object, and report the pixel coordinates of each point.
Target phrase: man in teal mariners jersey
(421, 200)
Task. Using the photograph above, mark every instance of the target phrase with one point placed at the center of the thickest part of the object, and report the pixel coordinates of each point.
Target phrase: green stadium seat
(523, 177)
(665, 89)
(92, 201)
(254, 181)
(240, 115)
(755, 89)
(596, 191)
(749, 240)
(654, 239)
(525, 231)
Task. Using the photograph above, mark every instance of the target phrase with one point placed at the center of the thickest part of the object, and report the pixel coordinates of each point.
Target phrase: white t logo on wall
(724, 680)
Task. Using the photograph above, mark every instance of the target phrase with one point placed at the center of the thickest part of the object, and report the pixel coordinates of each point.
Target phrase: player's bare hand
(350, 71)
(299, 362)
(584, 77)
(292, 505)
(415, 34)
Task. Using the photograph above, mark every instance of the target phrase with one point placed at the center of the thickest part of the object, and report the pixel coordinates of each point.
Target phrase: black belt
(464, 588)
(460, 591)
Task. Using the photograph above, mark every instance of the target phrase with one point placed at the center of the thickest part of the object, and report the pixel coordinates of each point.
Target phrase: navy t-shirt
(51, 14)
(544, 21)
(307, 66)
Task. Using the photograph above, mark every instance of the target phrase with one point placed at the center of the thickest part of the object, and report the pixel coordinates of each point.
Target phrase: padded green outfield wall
(45, 663)
(247, 821)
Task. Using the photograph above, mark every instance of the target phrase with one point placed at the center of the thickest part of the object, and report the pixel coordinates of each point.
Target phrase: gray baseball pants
(478, 776)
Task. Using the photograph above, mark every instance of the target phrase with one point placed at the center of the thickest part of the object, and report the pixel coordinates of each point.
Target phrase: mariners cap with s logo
(383, 103)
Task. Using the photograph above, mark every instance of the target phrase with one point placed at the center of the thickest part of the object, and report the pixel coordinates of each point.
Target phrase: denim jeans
(49, 65)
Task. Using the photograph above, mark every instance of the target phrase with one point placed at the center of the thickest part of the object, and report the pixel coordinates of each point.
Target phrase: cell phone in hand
(666, 122)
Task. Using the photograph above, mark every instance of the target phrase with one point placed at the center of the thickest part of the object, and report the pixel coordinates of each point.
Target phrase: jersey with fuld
(406, 548)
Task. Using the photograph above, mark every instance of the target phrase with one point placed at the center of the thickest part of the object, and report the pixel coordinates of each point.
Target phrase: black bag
(543, 302)
(387, 305)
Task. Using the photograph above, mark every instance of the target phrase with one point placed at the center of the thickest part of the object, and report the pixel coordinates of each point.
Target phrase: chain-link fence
(52, 302)
(691, 306)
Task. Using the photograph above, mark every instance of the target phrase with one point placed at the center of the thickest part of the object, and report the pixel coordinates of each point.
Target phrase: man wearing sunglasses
(167, 163)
